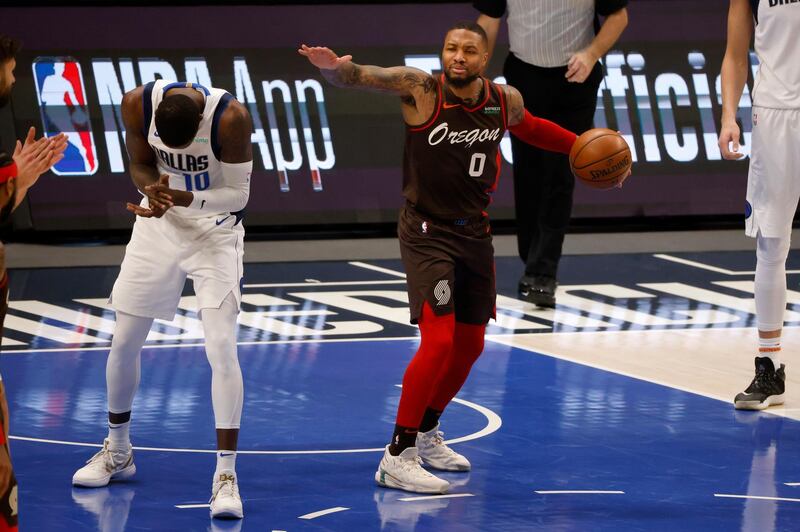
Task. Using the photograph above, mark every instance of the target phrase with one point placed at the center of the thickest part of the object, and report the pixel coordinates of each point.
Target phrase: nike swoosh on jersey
(220, 221)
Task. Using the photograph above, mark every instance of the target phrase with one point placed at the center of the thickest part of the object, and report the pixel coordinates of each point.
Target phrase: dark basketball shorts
(8, 500)
(450, 265)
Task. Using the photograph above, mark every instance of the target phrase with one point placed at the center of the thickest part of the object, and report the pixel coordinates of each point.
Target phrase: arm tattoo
(516, 107)
(397, 80)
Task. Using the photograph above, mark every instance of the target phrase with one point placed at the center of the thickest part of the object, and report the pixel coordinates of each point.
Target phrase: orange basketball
(600, 157)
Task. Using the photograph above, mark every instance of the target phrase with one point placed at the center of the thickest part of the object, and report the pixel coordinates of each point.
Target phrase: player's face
(464, 56)
(6, 80)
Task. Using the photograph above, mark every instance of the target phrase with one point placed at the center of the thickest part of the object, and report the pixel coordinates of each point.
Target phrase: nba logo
(63, 108)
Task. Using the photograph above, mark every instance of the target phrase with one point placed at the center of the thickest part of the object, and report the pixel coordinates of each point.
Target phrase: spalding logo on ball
(600, 158)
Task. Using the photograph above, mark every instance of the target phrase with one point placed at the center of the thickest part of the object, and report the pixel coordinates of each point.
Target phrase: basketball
(600, 157)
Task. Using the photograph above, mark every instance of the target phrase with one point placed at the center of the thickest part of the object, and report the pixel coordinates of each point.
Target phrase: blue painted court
(323, 347)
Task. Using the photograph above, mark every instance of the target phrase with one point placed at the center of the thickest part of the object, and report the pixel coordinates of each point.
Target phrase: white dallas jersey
(777, 43)
(197, 166)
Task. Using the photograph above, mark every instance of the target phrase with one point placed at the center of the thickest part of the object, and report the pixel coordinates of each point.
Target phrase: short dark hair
(471, 26)
(177, 120)
(9, 46)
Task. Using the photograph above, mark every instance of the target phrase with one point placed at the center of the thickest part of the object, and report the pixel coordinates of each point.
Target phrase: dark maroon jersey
(452, 162)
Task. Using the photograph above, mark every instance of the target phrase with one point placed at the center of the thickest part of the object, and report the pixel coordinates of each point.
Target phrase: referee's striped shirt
(547, 33)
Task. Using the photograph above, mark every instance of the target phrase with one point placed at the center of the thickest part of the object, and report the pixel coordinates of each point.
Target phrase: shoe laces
(225, 487)
(437, 440)
(763, 378)
(414, 466)
(105, 457)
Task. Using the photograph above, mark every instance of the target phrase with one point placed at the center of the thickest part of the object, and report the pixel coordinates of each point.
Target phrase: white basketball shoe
(225, 500)
(405, 472)
(105, 466)
(435, 453)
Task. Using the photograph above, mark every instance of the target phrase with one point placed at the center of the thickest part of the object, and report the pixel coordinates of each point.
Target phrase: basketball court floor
(611, 412)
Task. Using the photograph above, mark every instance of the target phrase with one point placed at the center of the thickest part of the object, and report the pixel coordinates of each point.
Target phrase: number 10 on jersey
(197, 181)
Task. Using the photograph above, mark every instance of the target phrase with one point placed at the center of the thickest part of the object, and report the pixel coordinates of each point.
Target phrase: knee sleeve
(227, 389)
(770, 281)
(420, 376)
(468, 346)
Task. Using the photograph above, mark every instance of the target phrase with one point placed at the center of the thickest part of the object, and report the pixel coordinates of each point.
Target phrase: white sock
(771, 349)
(119, 436)
(226, 461)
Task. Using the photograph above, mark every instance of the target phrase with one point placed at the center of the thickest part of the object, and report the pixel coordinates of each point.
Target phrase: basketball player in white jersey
(773, 185)
(191, 158)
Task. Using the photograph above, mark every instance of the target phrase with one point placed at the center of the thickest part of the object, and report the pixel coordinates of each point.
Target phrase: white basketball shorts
(164, 251)
(773, 184)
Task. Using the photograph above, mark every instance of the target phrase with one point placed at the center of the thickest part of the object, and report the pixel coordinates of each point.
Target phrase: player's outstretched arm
(734, 74)
(537, 131)
(342, 72)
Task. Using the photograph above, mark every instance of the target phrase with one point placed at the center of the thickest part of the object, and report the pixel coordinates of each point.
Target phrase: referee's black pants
(543, 182)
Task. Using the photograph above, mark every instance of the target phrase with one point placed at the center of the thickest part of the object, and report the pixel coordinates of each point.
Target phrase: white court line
(252, 342)
(508, 340)
(430, 497)
(708, 267)
(493, 423)
(498, 337)
(699, 265)
(610, 369)
(314, 515)
(188, 506)
(758, 497)
(580, 492)
(387, 271)
(326, 283)
(793, 484)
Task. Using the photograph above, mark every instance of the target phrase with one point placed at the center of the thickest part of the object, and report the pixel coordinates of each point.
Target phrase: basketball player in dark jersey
(18, 172)
(454, 125)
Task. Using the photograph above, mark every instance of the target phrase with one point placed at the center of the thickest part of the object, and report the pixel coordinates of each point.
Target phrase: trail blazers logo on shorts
(442, 293)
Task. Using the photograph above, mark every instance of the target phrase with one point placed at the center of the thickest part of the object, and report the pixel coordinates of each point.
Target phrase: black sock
(119, 419)
(430, 419)
(402, 439)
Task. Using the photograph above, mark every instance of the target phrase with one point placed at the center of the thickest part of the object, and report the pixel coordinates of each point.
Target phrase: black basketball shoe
(541, 291)
(766, 389)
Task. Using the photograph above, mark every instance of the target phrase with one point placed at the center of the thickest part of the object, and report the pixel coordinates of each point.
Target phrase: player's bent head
(177, 119)
(9, 47)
